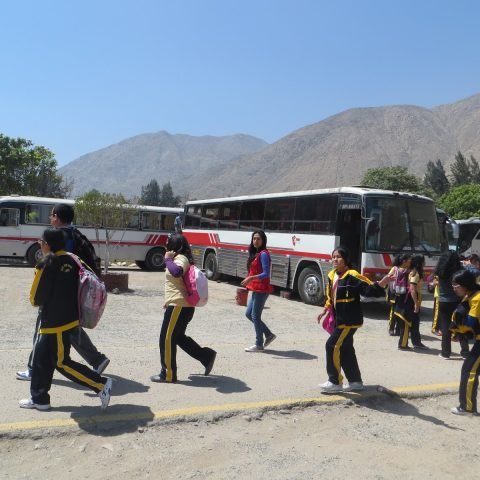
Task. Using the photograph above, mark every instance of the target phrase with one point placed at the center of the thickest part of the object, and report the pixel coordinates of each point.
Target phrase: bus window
(228, 217)
(209, 216)
(192, 219)
(168, 221)
(316, 214)
(9, 217)
(279, 214)
(151, 221)
(251, 214)
(131, 219)
(38, 214)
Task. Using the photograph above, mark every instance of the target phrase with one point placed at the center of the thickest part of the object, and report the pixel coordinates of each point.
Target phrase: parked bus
(469, 236)
(143, 239)
(303, 228)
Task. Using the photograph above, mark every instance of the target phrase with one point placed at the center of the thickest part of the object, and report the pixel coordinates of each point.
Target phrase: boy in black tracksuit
(55, 289)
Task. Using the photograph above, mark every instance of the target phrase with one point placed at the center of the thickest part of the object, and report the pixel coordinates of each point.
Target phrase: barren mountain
(333, 152)
(126, 166)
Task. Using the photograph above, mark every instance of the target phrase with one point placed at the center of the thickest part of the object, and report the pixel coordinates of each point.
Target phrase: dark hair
(466, 279)
(447, 265)
(400, 258)
(345, 254)
(252, 251)
(418, 262)
(474, 258)
(64, 212)
(179, 244)
(54, 238)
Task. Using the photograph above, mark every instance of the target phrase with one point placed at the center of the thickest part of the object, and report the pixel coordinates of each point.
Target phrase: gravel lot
(246, 420)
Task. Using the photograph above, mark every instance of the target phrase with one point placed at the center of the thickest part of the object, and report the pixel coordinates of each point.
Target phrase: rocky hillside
(126, 166)
(334, 152)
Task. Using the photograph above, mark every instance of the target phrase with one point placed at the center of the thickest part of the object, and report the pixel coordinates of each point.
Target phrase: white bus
(143, 239)
(469, 236)
(303, 228)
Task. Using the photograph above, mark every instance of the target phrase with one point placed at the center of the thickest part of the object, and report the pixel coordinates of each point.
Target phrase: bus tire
(141, 265)
(34, 254)
(155, 259)
(310, 286)
(211, 267)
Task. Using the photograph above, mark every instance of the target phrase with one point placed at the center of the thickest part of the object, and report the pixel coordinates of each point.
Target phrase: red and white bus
(303, 228)
(143, 239)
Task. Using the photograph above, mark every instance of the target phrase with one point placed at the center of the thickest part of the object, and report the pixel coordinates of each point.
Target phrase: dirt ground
(369, 436)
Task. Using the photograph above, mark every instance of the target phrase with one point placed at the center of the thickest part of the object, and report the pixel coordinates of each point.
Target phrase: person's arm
(173, 268)
(42, 286)
(367, 288)
(413, 281)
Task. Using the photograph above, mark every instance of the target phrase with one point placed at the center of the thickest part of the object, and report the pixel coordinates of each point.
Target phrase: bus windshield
(396, 224)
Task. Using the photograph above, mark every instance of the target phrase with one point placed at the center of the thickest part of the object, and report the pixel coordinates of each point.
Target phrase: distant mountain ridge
(128, 165)
(334, 152)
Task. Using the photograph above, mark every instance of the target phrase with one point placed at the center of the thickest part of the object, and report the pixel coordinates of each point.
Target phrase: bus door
(349, 231)
(10, 232)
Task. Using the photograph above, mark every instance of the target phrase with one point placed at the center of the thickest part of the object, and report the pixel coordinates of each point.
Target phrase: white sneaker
(105, 393)
(353, 387)
(26, 375)
(28, 403)
(328, 387)
(254, 348)
(269, 340)
(103, 365)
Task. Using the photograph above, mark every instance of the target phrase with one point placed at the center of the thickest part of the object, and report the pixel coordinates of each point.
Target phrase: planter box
(115, 280)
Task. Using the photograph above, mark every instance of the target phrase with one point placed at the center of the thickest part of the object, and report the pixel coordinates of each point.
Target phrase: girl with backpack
(344, 288)
(415, 281)
(178, 314)
(397, 289)
(55, 290)
(258, 282)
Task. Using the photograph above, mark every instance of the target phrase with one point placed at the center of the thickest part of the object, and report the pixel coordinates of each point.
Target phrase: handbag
(329, 324)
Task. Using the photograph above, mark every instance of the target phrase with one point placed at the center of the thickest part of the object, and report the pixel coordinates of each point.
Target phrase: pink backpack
(92, 295)
(196, 284)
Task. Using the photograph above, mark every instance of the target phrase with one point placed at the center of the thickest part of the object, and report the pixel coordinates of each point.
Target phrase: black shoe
(209, 366)
(420, 346)
(160, 379)
(405, 348)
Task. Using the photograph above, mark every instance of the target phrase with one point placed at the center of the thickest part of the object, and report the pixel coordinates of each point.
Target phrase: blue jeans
(254, 314)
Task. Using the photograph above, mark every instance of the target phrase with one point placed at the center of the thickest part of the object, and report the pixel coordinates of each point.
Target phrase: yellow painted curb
(201, 410)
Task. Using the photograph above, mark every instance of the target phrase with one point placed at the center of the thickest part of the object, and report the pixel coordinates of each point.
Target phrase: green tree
(392, 178)
(462, 202)
(167, 198)
(151, 194)
(26, 169)
(102, 211)
(460, 171)
(474, 170)
(436, 178)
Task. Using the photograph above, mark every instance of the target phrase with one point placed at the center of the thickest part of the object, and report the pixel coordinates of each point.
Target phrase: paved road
(288, 372)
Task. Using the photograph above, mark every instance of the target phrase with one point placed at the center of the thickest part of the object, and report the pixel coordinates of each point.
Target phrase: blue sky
(79, 75)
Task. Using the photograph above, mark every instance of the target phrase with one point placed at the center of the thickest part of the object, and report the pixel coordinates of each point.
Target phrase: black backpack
(76, 242)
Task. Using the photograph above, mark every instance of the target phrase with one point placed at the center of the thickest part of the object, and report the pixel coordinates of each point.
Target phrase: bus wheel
(141, 265)
(34, 254)
(211, 267)
(310, 286)
(155, 259)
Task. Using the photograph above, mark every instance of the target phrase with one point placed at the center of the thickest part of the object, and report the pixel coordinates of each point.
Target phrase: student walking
(55, 290)
(465, 286)
(178, 314)
(61, 218)
(344, 288)
(258, 282)
(397, 289)
(415, 280)
(447, 265)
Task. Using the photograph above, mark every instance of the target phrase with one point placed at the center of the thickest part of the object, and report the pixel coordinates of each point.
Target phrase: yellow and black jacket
(347, 307)
(466, 317)
(54, 289)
